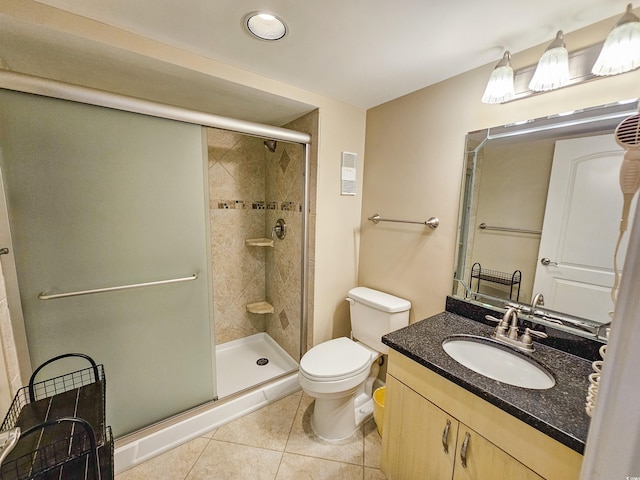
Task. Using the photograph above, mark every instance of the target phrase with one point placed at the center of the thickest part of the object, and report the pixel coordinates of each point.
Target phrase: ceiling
(362, 52)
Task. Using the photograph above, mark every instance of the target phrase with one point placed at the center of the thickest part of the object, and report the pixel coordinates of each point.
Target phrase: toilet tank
(374, 314)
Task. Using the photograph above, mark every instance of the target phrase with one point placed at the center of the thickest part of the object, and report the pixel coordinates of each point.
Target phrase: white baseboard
(158, 442)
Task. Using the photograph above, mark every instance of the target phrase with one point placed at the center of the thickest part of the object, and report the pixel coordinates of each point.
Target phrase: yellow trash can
(378, 407)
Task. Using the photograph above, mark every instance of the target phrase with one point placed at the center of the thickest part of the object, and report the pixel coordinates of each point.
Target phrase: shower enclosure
(146, 243)
(257, 266)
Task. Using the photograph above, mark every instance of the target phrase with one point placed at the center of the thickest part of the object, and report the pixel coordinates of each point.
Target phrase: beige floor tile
(173, 465)
(374, 474)
(372, 445)
(304, 442)
(268, 427)
(209, 434)
(299, 467)
(222, 460)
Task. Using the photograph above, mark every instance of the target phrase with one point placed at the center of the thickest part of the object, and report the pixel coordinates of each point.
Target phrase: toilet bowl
(335, 373)
(340, 373)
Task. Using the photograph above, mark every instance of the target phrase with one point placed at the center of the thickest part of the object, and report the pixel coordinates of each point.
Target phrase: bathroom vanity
(444, 421)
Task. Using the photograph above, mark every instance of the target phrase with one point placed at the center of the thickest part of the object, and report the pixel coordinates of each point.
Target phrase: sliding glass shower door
(101, 198)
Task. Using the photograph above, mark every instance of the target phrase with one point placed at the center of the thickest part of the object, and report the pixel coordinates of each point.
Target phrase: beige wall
(512, 192)
(341, 128)
(413, 169)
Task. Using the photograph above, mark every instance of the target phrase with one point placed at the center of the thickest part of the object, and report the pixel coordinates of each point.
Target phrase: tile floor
(275, 442)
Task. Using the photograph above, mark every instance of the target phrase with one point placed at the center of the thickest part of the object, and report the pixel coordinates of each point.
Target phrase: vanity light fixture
(500, 88)
(558, 68)
(265, 26)
(553, 67)
(621, 50)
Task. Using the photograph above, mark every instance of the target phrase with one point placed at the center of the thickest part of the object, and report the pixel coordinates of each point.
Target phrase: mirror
(540, 213)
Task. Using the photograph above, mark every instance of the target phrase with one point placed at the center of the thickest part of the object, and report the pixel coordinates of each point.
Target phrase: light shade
(553, 67)
(265, 26)
(500, 88)
(621, 50)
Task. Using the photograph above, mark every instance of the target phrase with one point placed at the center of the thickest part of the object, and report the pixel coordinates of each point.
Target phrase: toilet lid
(335, 359)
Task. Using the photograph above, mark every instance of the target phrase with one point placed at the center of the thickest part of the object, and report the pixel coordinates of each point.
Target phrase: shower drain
(262, 361)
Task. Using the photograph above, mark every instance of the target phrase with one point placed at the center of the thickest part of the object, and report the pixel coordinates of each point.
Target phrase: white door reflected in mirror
(581, 226)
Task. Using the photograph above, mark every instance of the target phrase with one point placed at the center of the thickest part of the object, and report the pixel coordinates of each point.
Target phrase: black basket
(62, 423)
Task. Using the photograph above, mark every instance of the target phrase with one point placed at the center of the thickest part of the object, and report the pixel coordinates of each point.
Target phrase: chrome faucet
(592, 327)
(511, 319)
(510, 337)
(538, 299)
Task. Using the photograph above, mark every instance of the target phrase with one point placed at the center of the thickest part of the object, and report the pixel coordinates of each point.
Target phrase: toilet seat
(336, 359)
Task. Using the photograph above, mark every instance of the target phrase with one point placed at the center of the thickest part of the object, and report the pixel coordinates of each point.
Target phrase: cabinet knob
(463, 449)
(445, 437)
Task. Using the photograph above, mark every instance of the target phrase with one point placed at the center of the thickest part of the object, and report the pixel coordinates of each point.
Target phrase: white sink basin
(498, 362)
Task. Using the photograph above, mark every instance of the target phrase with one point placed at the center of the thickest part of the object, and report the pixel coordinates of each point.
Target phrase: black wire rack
(62, 424)
(511, 281)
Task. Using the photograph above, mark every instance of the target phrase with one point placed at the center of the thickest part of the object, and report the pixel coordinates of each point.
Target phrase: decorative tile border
(255, 205)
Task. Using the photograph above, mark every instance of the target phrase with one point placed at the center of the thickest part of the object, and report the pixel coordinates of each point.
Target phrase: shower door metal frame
(65, 91)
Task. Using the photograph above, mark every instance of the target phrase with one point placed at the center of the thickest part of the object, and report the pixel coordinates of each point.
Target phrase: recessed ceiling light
(265, 26)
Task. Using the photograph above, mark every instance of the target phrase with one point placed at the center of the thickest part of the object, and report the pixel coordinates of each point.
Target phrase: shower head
(270, 145)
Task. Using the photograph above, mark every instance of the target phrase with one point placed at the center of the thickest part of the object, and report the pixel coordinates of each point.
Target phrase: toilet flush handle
(350, 300)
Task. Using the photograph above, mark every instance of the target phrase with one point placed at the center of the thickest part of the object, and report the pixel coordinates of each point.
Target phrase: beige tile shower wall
(284, 187)
(237, 212)
(250, 188)
(284, 194)
(309, 123)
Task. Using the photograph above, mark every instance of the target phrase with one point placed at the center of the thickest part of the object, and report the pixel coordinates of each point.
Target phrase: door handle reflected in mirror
(546, 262)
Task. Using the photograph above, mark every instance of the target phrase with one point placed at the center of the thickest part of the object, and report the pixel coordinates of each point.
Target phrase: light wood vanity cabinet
(411, 441)
(424, 412)
(424, 442)
(483, 460)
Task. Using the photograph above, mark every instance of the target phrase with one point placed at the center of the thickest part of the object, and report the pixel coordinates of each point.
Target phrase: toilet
(340, 373)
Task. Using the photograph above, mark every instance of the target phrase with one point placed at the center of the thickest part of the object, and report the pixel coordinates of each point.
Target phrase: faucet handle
(535, 333)
(528, 333)
(501, 328)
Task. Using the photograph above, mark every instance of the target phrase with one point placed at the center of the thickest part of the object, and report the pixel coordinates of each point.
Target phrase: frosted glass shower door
(102, 198)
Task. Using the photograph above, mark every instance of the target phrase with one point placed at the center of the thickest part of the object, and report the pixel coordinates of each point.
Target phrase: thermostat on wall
(348, 176)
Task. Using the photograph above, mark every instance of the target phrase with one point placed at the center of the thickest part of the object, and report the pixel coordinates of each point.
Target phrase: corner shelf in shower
(261, 308)
(259, 242)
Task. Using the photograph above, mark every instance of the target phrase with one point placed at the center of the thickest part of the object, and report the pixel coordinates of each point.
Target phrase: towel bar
(432, 223)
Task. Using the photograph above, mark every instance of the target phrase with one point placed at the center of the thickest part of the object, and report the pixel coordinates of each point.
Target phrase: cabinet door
(479, 459)
(415, 435)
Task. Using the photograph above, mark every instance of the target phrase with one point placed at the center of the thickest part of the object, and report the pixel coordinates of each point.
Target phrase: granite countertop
(558, 412)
